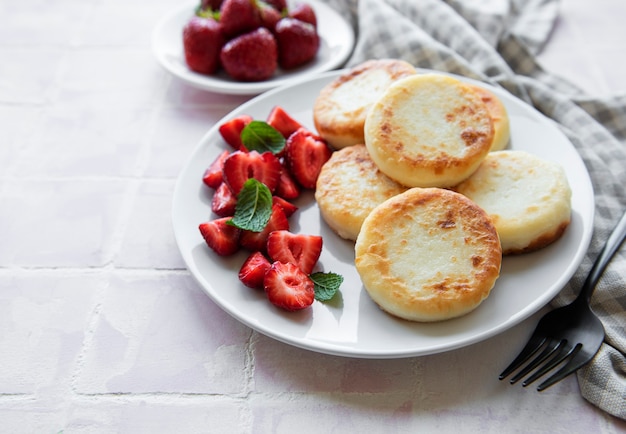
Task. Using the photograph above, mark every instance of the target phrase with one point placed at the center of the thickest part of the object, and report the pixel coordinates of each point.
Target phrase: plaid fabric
(496, 41)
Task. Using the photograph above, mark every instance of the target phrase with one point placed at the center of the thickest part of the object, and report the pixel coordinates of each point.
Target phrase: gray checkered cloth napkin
(496, 41)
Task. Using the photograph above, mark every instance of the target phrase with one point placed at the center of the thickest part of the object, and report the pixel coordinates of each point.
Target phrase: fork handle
(610, 248)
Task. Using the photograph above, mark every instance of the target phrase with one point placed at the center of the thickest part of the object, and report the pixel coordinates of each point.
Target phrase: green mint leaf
(262, 137)
(254, 206)
(326, 285)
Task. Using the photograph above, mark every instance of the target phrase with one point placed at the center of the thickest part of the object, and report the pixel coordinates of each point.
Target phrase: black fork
(570, 335)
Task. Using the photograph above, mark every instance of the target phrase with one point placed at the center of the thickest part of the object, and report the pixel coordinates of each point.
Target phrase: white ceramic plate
(351, 325)
(336, 43)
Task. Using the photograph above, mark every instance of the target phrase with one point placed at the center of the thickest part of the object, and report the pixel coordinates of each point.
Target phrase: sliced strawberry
(212, 177)
(221, 237)
(231, 130)
(224, 201)
(306, 153)
(258, 240)
(299, 249)
(288, 207)
(288, 287)
(241, 166)
(283, 122)
(253, 270)
(287, 187)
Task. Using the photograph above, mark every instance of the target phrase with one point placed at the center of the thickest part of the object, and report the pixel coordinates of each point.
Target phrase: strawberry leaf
(326, 285)
(254, 206)
(262, 137)
(207, 13)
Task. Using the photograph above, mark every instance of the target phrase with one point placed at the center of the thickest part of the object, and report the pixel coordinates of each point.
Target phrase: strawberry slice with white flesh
(231, 130)
(254, 241)
(212, 176)
(288, 207)
(283, 122)
(287, 187)
(252, 272)
(220, 236)
(306, 153)
(241, 166)
(299, 249)
(288, 287)
(224, 201)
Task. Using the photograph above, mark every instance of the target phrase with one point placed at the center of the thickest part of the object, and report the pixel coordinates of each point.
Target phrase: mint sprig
(254, 206)
(326, 285)
(262, 137)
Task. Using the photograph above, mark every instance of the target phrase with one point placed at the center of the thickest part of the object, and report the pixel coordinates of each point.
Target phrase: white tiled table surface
(102, 330)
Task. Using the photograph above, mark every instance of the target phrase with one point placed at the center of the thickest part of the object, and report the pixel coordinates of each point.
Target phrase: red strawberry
(306, 153)
(287, 187)
(231, 130)
(304, 12)
(213, 5)
(282, 121)
(298, 42)
(221, 237)
(269, 16)
(202, 43)
(224, 201)
(288, 207)
(299, 249)
(279, 5)
(239, 16)
(254, 241)
(213, 175)
(252, 56)
(253, 270)
(241, 166)
(288, 287)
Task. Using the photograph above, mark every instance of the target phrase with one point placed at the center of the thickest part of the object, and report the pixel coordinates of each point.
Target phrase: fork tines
(553, 353)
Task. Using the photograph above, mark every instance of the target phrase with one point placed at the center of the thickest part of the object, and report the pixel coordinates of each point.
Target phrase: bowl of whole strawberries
(250, 46)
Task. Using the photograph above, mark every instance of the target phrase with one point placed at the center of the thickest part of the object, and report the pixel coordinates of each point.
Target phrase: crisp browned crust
(499, 116)
(341, 107)
(429, 130)
(428, 254)
(349, 187)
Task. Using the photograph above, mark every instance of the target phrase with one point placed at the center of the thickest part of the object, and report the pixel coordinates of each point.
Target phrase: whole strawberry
(202, 43)
(252, 56)
(279, 5)
(304, 12)
(239, 16)
(211, 4)
(298, 42)
(269, 16)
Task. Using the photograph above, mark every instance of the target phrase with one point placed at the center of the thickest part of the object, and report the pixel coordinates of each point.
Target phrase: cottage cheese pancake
(527, 198)
(499, 116)
(340, 109)
(428, 254)
(349, 187)
(429, 130)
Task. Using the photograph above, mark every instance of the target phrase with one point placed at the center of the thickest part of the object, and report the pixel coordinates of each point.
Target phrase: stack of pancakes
(421, 180)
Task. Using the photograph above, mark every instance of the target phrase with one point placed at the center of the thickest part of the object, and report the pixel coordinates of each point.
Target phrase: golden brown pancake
(340, 109)
(349, 187)
(428, 130)
(428, 254)
(527, 198)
